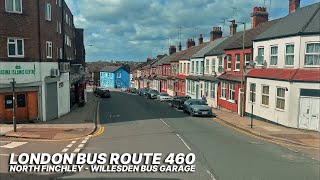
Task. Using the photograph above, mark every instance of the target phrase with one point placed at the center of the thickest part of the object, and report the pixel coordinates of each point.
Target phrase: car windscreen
(164, 94)
(197, 103)
(154, 92)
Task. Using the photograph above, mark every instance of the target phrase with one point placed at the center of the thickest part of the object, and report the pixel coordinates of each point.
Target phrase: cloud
(137, 29)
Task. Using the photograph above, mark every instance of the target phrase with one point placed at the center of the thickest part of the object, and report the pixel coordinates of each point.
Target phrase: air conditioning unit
(64, 67)
(55, 72)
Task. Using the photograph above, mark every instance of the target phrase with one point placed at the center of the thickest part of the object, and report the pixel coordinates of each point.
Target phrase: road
(134, 124)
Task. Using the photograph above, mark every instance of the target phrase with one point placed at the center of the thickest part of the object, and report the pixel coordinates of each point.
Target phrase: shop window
(21, 100)
(8, 103)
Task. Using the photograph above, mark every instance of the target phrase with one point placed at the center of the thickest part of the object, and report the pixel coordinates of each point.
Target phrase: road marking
(69, 145)
(64, 150)
(77, 150)
(165, 123)
(73, 142)
(184, 142)
(80, 145)
(8, 155)
(13, 145)
(84, 141)
(211, 175)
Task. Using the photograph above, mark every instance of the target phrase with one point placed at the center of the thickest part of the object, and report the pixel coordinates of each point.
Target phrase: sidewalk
(79, 122)
(271, 131)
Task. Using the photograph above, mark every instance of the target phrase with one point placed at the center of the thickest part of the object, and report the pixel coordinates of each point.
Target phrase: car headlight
(195, 109)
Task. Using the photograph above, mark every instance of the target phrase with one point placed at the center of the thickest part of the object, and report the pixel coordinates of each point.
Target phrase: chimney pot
(215, 33)
(233, 27)
(259, 15)
(293, 5)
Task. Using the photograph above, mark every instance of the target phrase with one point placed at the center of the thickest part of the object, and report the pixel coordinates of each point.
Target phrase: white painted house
(285, 86)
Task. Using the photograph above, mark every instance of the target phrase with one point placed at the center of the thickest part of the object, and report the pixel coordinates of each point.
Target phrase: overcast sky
(136, 29)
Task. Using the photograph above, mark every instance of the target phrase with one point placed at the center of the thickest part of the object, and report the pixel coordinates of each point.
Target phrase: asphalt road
(134, 124)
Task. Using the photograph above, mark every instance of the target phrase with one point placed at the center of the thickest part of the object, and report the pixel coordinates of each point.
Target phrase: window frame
(49, 44)
(265, 95)
(229, 61)
(282, 98)
(119, 73)
(14, 7)
(207, 66)
(252, 92)
(48, 12)
(232, 92)
(213, 65)
(236, 62)
(274, 55)
(192, 67)
(212, 90)
(261, 47)
(223, 94)
(313, 54)
(288, 54)
(206, 88)
(220, 66)
(246, 61)
(16, 47)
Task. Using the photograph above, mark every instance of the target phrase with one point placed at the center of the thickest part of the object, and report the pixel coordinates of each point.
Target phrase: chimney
(216, 33)
(172, 50)
(293, 5)
(190, 43)
(200, 39)
(233, 27)
(259, 15)
(179, 46)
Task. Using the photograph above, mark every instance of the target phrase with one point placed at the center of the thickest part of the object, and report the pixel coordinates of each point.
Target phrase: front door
(309, 113)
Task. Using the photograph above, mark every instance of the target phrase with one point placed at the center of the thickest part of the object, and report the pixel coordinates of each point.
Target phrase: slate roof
(160, 61)
(292, 75)
(176, 56)
(305, 20)
(192, 50)
(201, 53)
(209, 78)
(250, 35)
(110, 68)
(230, 76)
(219, 49)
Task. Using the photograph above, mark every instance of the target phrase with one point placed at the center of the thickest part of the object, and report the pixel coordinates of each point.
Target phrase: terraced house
(37, 48)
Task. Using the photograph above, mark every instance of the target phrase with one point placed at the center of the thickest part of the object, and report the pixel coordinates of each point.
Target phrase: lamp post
(14, 105)
(242, 69)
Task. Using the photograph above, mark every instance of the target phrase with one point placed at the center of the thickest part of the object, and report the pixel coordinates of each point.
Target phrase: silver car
(164, 97)
(152, 94)
(197, 108)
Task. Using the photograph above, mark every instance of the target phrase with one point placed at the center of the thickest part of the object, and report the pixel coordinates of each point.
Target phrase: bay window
(212, 90)
(289, 57)
(213, 65)
(260, 55)
(274, 55)
(207, 66)
(312, 56)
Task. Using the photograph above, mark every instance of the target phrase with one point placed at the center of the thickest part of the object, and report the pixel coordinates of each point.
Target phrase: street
(134, 124)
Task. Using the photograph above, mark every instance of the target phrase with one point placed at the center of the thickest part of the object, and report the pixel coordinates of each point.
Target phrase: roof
(219, 49)
(304, 20)
(294, 75)
(175, 57)
(201, 53)
(192, 50)
(230, 76)
(160, 61)
(250, 35)
(208, 78)
(110, 68)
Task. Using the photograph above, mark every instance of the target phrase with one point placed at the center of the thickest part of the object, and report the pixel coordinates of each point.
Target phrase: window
(265, 95)
(15, 47)
(188, 86)
(8, 103)
(118, 75)
(184, 67)
(48, 12)
(252, 97)
(213, 65)
(206, 88)
(188, 68)
(197, 67)
(180, 67)
(67, 18)
(212, 90)
(223, 90)
(192, 67)
(260, 55)
(49, 49)
(220, 69)
(274, 55)
(289, 59)
(237, 64)
(207, 66)
(201, 67)
(231, 91)
(59, 27)
(13, 6)
(229, 61)
(312, 57)
(247, 59)
(21, 100)
(280, 98)
(59, 3)
(60, 53)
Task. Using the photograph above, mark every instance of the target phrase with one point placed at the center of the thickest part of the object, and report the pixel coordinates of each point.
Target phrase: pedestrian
(204, 98)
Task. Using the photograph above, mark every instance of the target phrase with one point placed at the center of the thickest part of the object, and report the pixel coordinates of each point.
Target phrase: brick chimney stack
(190, 43)
(233, 27)
(200, 39)
(293, 5)
(216, 33)
(179, 46)
(259, 15)
(172, 50)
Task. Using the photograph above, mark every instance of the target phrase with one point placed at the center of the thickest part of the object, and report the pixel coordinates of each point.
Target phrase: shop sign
(18, 70)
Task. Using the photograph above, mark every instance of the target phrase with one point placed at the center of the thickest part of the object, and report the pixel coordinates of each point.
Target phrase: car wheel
(191, 113)
(184, 110)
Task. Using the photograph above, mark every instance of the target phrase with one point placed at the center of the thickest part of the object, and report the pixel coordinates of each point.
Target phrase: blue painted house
(114, 77)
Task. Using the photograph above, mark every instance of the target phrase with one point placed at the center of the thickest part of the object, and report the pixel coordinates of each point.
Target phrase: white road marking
(64, 150)
(13, 145)
(184, 142)
(80, 145)
(7, 155)
(77, 150)
(211, 175)
(84, 141)
(165, 123)
(73, 142)
(69, 145)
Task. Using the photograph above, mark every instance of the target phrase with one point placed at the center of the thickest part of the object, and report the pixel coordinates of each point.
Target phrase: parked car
(134, 90)
(143, 91)
(152, 94)
(97, 91)
(105, 93)
(178, 101)
(164, 97)
(124, 89)
(197, 107)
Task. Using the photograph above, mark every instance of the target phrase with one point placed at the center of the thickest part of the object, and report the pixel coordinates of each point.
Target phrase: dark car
(152, 94)
(105, 93)
(143, 92)
(197, 107)
(178, 101)
(134, 90)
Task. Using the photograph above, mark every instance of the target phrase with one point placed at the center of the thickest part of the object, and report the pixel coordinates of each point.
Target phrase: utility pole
(14, 106)
(242, 70)
(251, 90)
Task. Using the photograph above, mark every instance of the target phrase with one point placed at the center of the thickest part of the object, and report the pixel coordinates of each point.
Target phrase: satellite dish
(265, 64)
(251, 63)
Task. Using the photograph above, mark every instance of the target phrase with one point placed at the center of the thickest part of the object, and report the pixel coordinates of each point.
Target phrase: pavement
(267, 130)
(77, 123)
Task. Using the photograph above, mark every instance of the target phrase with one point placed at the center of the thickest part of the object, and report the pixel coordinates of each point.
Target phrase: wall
(226, 103)
(299, 50)
(107, 79)
(63, 91)
(125, 77)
